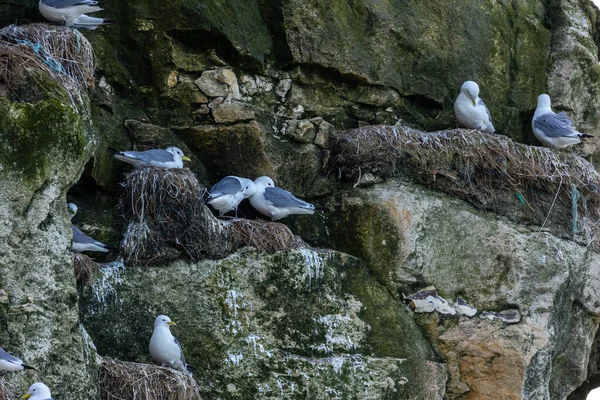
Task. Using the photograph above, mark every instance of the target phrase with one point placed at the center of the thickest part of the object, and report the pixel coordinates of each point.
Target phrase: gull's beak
(184, 158)
(171, 323)
(475, 102)
(26, 396)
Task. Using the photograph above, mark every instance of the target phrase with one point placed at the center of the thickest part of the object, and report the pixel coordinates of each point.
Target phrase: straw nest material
(85, 269)
(120, 380)
(265, 236)
(7, 390)
(166, 219)
(552, 189)
(36, 57)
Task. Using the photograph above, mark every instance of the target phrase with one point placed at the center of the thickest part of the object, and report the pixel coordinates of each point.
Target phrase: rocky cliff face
(265, 87)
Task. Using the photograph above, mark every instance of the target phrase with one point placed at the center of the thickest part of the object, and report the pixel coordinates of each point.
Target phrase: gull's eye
(247, 187)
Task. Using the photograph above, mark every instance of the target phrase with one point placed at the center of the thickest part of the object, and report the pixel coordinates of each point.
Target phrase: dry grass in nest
(44, 54)
(7, 391)
(85, 269)
(126, 380)
(264, 236)
(167, 218)
(553, 189)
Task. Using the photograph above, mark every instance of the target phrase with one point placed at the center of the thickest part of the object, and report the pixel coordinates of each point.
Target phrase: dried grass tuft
(553, 189)
(85, 269)
(120, 380)
(44, 54)
(167, 219)
(265, 236)
(7, 390)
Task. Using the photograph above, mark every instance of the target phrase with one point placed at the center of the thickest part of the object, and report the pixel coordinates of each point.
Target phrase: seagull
(554, 130)
(171, 157)
(8, 362)
(81, 241)
(164, 348)
(229, 192)
(276, 202)
(470, 110)
(71, 13)
(38, 391)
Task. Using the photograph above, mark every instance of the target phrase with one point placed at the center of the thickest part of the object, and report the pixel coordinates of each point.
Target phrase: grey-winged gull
(171, 157)
(81, 241)
(38, 391)
(554, 130)
(229, 192)
(470, 110)
(71, 13)
(275, 202)
(164, 348)
(8, 362)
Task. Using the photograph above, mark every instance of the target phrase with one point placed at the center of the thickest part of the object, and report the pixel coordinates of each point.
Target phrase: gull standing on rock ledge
(171, 157)
(554, 130)
(227, 194)
(81, 241)
(71, 13)
(164, 348)
(275, 202)
(38, 391)
(470, 110)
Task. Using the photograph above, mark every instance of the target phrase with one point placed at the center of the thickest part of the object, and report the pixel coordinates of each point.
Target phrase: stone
(210, 84)
(248, 85)
(325, 131)
(234, 111)
(172, 79)
(282, 88)
(507, 316)
(301, 131)
(228, 77)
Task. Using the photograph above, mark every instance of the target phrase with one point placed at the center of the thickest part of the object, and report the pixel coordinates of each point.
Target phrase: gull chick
(275, 202)
(8, 362)
(470, 110)
(554, 130)
(229, 192)
(71, 13)
(171, 157)
(164, 348)
(38, 391)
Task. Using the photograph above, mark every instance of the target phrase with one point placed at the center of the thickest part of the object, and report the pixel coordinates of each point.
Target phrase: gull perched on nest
(227, 194)
(81, 241)
(8, 362)
(171, 157)
(470, 110)
(276, 202)
(554, 130)
(71, 13)
(164, 348)
(38, 391)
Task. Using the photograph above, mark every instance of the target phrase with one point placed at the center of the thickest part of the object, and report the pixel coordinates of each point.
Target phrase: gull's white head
(71, 210)
(163, 320)
(471, 89)
(263, 181)
(248, 187)
(39, 390)
(176, 151)
(543, 101)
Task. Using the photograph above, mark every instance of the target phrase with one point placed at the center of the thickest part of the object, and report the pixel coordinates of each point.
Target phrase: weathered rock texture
(261, 87)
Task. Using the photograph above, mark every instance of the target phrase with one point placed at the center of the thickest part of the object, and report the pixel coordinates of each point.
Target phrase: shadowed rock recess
(449, 264)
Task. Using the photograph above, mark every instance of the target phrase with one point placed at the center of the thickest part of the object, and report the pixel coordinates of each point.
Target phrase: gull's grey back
(282, 198)
(227, 185)
(554, 125)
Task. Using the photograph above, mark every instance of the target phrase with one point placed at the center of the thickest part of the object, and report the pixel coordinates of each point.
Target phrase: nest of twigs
(120, 380)
(85, 269)
(265, 236)
(35, 58)
(7, 391)
(167, 219)
(553, 189)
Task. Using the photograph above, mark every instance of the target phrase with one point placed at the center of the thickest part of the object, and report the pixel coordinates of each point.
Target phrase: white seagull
(81, 241)
(229, 192)
(470, 110)
(275, 202)
(164, 348)
(171, 157)
(554, 130)
(71, 13)
(8, 362)
(38, 391)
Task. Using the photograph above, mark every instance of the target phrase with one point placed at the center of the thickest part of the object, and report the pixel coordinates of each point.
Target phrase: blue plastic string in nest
(575, 195)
